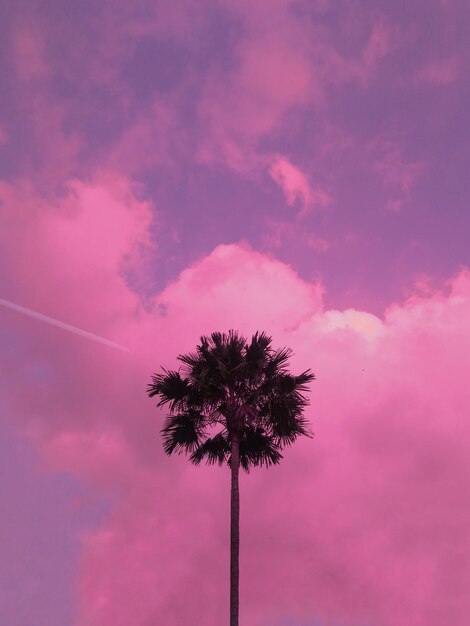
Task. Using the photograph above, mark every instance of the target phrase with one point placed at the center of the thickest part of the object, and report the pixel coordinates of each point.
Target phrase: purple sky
(170, 168)
(43, 516)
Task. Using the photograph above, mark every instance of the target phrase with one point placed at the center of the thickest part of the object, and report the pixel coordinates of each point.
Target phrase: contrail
(59, 324)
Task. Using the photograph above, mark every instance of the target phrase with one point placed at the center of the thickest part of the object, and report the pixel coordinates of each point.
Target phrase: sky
(170, 169)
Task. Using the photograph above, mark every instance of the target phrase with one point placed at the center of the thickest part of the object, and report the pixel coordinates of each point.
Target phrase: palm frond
(302, 380)
(284, 383)
(213, 450)
(170, 386)
(246, 414)
(257, 354)
(258, 448)
(221, 358)
(190, 360)
(284, 419)
(182, 432)
(278, 361)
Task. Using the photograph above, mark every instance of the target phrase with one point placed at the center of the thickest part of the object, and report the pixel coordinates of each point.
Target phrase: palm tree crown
(231, 386)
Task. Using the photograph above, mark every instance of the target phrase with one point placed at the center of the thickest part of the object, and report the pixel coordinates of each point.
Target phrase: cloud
(282, 63)
(71, 260)
(229, 275)
(365, 523)
(296, 186)
(439, 73)
(379, 45)
(152, 140)
(97, 91)
(281, 233)
(29, 54)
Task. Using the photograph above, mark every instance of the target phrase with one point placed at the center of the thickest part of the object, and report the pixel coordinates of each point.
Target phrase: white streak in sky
(59, 324)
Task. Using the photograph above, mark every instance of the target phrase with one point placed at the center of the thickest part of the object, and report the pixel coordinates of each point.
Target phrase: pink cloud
(54, 145)
(337, 68)
(439, 73)
(279, 63)
(277, 232)
(151, 140)
(232, 274)
(29, 51)
(287, 233)
(296, 186)
(380, 43)
(318, 244)
(81, 243)
(68, 260)
(272, 76)
(366, 523)
(282, 63)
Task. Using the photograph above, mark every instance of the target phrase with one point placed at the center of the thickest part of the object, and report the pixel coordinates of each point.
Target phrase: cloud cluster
(367, 523)
(117, 94)
(282, 64)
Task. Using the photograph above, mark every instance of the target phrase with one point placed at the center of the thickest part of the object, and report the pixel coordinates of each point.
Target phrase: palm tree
(243, 393)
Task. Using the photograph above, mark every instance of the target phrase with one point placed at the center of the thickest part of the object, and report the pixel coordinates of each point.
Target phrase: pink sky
(299, 167)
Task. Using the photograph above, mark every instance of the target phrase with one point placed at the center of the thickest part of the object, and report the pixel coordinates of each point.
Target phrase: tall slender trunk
(234, 529)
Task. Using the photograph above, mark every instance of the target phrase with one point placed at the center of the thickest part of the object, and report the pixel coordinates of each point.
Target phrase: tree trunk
(234, 529)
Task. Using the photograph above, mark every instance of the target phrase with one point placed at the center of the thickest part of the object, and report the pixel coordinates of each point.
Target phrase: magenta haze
(172, 168)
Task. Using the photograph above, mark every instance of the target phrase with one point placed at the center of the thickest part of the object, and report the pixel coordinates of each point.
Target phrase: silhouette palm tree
(243, 393)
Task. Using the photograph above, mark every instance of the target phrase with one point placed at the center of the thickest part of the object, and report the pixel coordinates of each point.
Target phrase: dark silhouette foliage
(229, 383)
